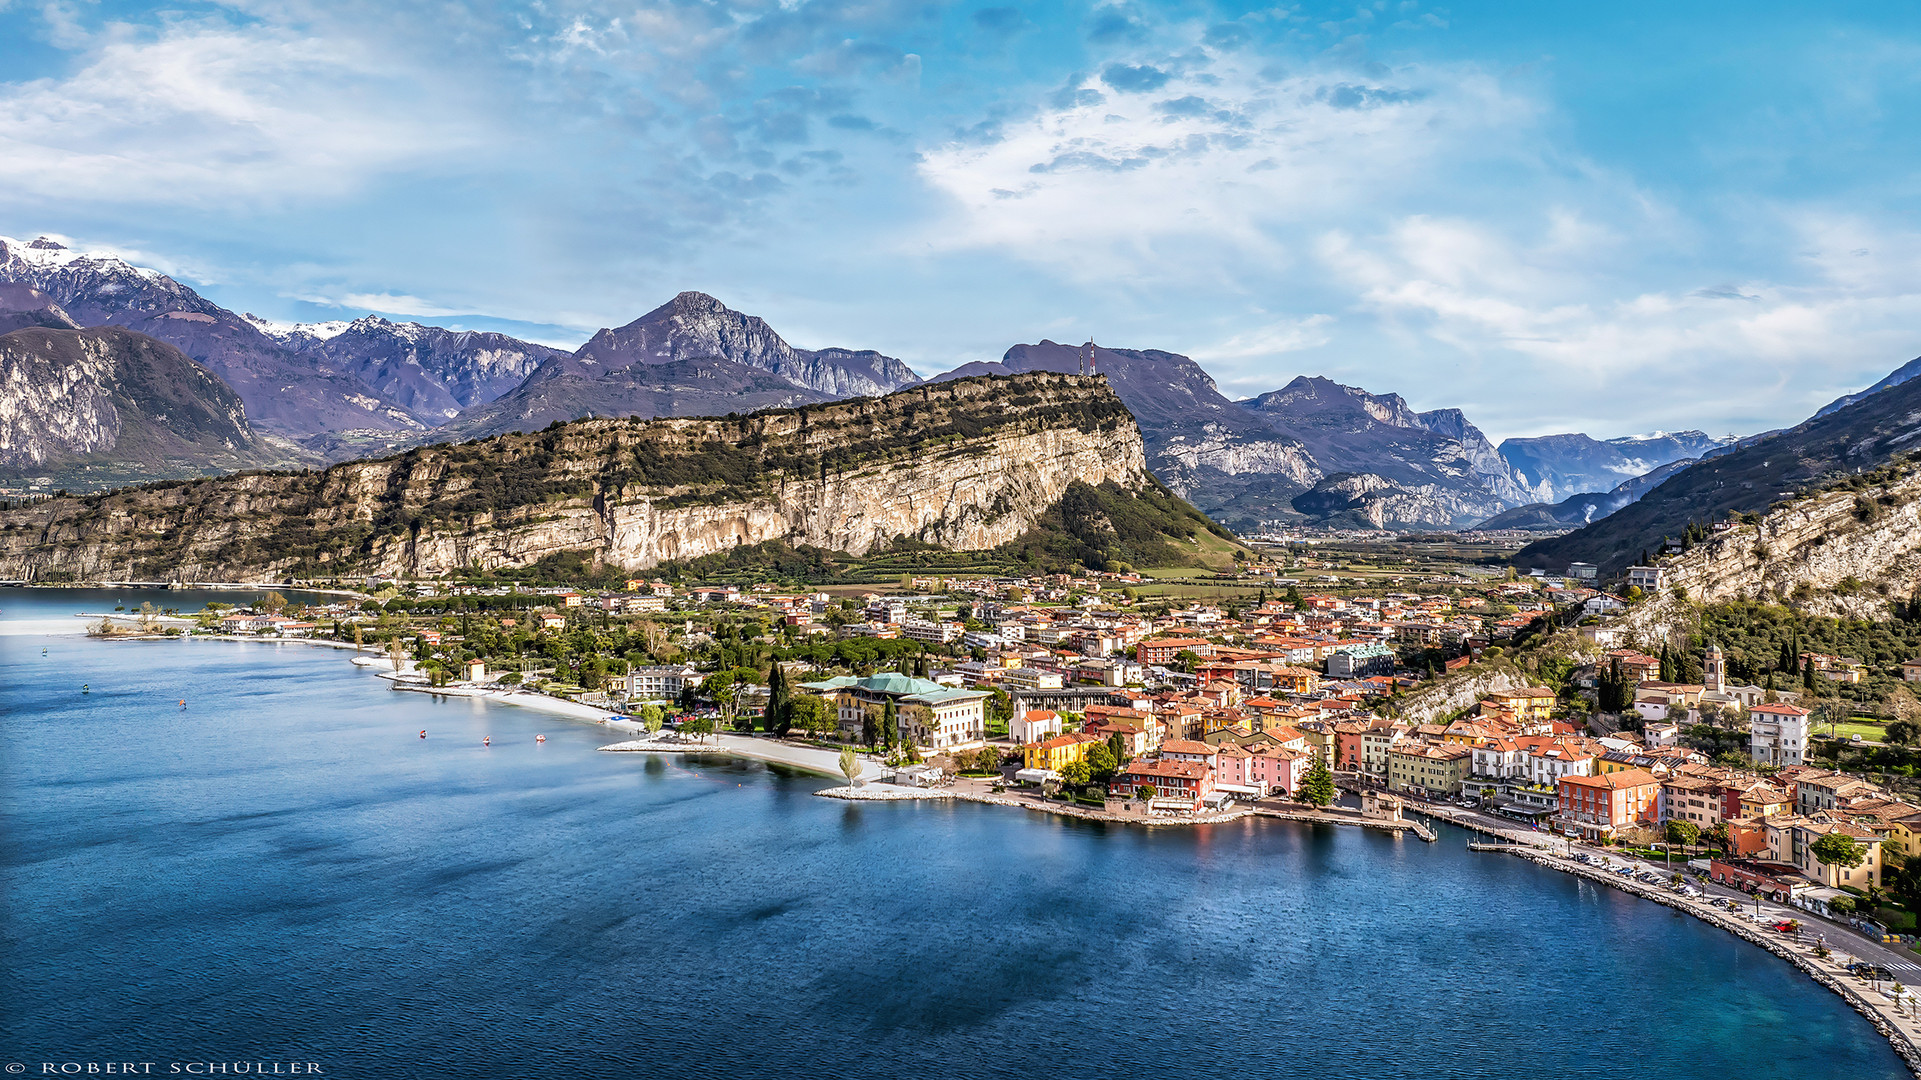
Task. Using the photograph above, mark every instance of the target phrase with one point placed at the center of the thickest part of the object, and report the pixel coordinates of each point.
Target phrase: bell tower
(1714, 669)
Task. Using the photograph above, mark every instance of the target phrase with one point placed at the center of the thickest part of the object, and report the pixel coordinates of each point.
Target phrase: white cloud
(384, 303)
(1844, 314)
(206, 112)
(1215, 154)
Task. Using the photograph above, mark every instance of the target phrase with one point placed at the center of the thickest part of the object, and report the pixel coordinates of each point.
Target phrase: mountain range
(1313, 452)
(1566, 465)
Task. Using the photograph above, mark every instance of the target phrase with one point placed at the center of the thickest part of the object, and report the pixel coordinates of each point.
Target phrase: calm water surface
(283, 870)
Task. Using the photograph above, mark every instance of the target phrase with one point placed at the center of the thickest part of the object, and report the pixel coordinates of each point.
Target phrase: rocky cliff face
(966, 465)
(1748, 479)
(97, 408)
(285, 392)
(1845, 552)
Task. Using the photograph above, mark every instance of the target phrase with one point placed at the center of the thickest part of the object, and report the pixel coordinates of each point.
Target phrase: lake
(282, 870)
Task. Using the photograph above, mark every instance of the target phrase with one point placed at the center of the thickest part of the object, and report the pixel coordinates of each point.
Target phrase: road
(1843, 939)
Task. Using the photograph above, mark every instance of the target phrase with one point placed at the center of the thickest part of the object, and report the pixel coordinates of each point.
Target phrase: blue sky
(1555, 217)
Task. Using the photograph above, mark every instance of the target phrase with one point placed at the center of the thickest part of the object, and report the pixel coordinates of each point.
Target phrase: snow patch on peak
(47, 253)
(285, 332)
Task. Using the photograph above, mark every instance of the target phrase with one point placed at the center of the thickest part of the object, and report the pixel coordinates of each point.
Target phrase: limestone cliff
(1845, 551)
(966, 465)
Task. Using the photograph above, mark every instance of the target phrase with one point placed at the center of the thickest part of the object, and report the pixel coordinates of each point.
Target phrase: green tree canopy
(1839, 849)
(1317, 787)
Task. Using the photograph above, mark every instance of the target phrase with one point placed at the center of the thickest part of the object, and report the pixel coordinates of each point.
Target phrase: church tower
(1714, 670)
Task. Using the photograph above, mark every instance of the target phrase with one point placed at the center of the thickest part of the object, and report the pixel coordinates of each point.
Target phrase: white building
(1036, 725)
(661, 680)
(1778, 734)
(933, 633)
(1646, 578)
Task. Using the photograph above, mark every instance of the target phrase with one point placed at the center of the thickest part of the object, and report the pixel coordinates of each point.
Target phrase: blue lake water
(283, 870)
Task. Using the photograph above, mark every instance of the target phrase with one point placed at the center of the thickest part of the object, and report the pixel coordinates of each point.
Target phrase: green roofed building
(935, 717)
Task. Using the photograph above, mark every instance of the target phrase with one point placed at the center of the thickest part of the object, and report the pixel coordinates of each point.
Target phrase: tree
(1076, 774)
(1187, 660)
(1902, 733)
(1719, 836)
(869, 728)
(396, 654)
(1839, 849)
(274, 603)
(1118, 744)
(1101, 763)
(811, 713)
(849, 765)
(702, 726)
(1317, 787)
(776, 712)
(1683, 833)
(889, 724)
(650, 717)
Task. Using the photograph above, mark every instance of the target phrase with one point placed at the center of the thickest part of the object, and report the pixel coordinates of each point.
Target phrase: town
(1073, 690)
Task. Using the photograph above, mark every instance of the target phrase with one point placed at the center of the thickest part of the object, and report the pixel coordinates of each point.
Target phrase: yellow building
(1058, 752)
(1526, 703)
(1435, 771)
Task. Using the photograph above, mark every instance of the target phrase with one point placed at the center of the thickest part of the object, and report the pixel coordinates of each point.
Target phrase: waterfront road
(1845, 940)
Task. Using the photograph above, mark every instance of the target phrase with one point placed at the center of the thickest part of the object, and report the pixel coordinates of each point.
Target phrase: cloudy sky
(1609, 218)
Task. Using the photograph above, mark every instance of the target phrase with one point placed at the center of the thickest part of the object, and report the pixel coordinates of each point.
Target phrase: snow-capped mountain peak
(290, 333)
(45, 253)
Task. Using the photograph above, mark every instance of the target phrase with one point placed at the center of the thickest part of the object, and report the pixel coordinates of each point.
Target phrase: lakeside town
(1525, 699)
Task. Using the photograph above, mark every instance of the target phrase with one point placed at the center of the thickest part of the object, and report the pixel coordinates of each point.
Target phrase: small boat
(486, 740)
(423, 734)
(85, 689)
(540, 738)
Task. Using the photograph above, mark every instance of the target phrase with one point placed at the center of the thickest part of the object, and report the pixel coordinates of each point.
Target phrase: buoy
(540, 738)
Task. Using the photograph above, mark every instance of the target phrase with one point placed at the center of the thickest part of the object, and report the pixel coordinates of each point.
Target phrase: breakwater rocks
(1825, 972)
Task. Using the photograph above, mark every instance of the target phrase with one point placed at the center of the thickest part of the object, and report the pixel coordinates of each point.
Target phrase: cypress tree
(778, 704)
(1668, 674)
(1807, 678)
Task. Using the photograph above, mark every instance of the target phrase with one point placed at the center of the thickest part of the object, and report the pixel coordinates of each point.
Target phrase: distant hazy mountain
(287, 392)
(701, 387)
(432, 371)
(694, 325)
(1567, 465)
(1909, 370)
(1748, 478)
(106, 407)
(1589, 506)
